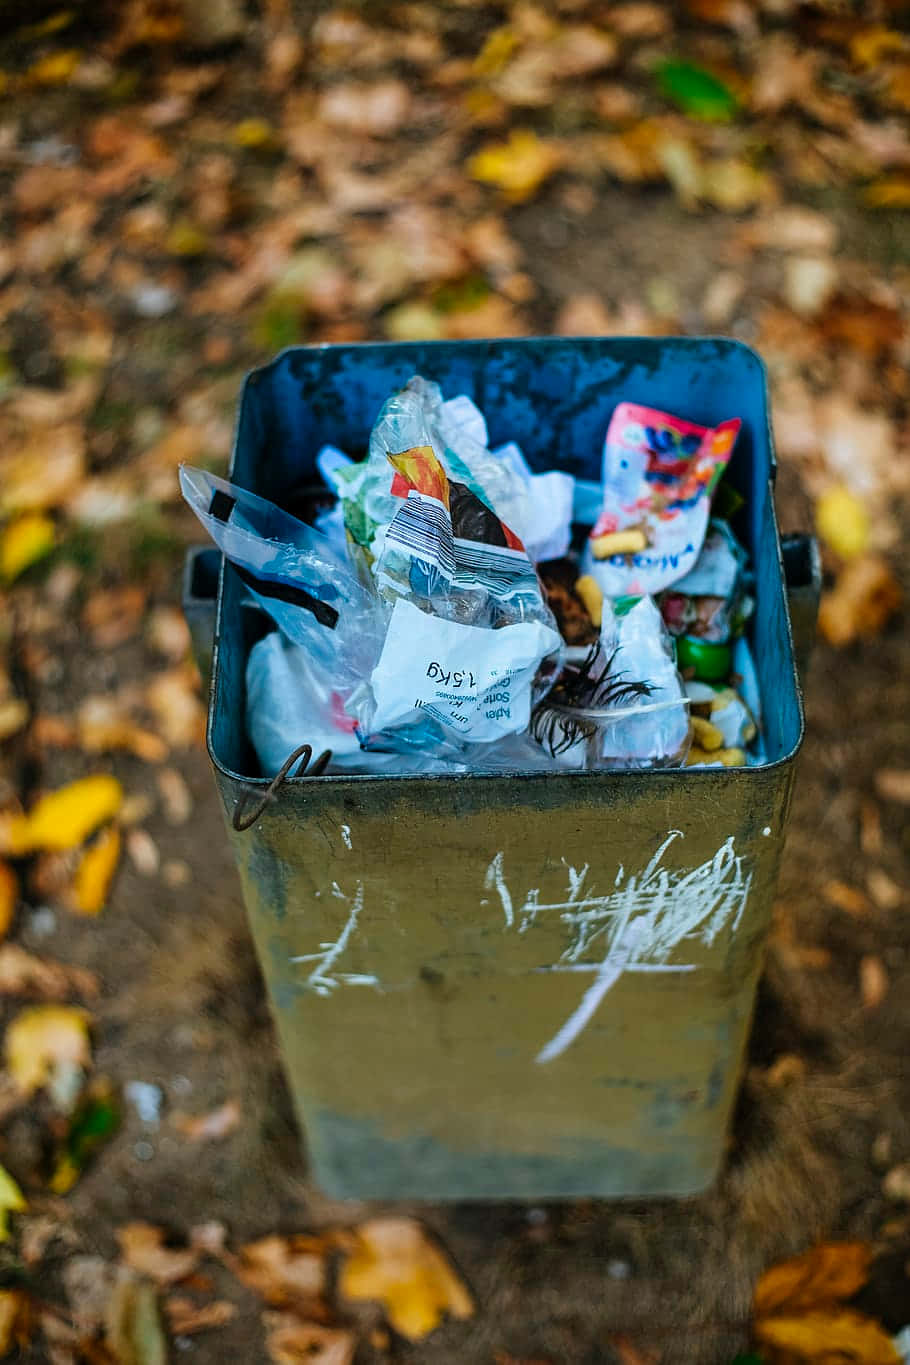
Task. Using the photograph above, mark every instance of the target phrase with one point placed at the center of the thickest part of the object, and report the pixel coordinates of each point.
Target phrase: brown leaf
(168, 633)
(873, 981)
(886, 893)
(288, 1272)
(844, 897)
(822, 1275)
(629, 1354)
(143, 1248)
(104, 725)
(187, 1317)
(867, 326)
(173, 699)
(17, 1320)
(43, 471)
(896, 1184)
(175, 794)
(825, 1335)
(893, 784)
(290, 1341)
(863, 600)
(393, 1260)
(583, 315)
(23, 974)
(212, 1127)
(378, 110)
(114, 615)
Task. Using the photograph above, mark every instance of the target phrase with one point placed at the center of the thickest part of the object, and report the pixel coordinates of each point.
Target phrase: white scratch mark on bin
(645, 918)
(322, 979)
(619, 955)
(346, 836)
(493, 878)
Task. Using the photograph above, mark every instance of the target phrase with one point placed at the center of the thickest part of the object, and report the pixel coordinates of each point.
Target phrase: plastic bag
(302, 579)
(658, 472)
(471, 644)
(709, 602)
(623, 706)
(289, 702)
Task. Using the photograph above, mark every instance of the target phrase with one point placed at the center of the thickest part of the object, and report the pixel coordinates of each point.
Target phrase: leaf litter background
(185, 188)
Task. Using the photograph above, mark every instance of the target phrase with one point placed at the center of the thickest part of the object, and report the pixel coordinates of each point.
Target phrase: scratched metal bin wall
(521, 986)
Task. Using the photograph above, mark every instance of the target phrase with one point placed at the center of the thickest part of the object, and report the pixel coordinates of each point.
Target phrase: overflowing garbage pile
(452, 611)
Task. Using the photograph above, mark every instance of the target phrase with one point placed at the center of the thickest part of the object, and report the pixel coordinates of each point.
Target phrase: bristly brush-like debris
(581, 688)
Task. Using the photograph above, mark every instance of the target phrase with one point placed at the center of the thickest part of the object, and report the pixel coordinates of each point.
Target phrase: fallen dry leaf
(48, 1045)
(844, 897)
(21, 973)
(823, 1335)
(114, 616)
(842, 521)
(394, 1261)
(187, 1317)
(105, 725)
(583, 315)
(629, 1354)
(16, 1320)
(133, 1330)
(873, 981)
(290, 1341)
(288, 1272)
(12, 1200)
(861, 603)
(95, 872)
(825, 1274)
(173, 699)
(175, 795)
(893, 784)
(9, 897)
(886, 893)
(143, 852)
(809, 283)
(168, 633)
(518, 166)
(23, 542)
(44, 471)
(212, 1127)
(896, 1184)
(14, 716)
(377, 110)
(143, 1248)
(65, 818)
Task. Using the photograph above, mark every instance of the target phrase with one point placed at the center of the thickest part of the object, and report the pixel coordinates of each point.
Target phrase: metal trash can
(512, 986)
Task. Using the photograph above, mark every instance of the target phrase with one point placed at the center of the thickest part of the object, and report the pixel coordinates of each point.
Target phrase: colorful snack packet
(659, 472)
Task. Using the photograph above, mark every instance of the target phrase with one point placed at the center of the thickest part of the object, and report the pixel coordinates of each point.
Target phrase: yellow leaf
(519, 167)
(825, 1335)
(12, 1200)
(95, 872)
(253, 132)
(842, 521)
(186, 239)
(870, 45)
(45, 1041)
(9, 895)
(496, 51)
(395, 1262)
(833, 1270)
(65, 818)
(892, 192)
(54, 69)
(24, 542)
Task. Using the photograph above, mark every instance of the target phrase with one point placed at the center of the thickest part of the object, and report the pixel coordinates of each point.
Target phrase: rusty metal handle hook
(245, 819)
